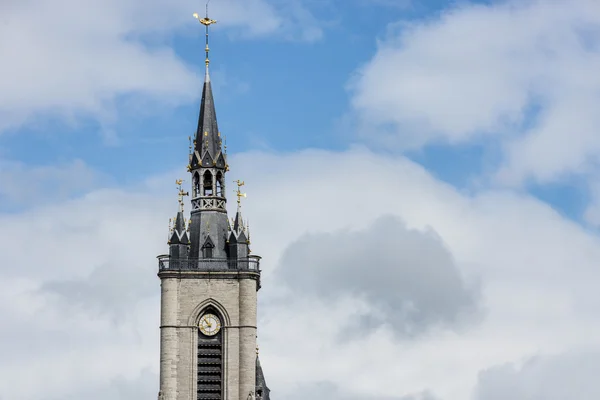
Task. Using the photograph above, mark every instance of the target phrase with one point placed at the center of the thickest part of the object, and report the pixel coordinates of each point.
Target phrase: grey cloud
(326, 390)
(110, 290)
(407, 275)
(572, 375)
(142, 387)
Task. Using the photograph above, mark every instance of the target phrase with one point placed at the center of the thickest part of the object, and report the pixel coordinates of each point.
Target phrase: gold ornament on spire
(239, 193)
(181, 193)
(206, 22)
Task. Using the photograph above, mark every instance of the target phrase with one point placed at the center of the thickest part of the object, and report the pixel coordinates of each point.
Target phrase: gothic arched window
(219, 184)
(207, 184)
(196, 184)
(210, 355)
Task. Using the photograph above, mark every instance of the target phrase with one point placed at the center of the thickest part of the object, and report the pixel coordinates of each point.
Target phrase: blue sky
(455, 143)
(271, 93)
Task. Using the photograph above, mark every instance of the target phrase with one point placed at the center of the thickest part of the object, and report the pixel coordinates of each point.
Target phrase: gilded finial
(206, 22)
(181, 193)
(239, 193)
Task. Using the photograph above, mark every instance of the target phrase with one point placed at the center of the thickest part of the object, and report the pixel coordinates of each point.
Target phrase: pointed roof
(179, 235)
(261, 383)
(207, 134)
(238, 223)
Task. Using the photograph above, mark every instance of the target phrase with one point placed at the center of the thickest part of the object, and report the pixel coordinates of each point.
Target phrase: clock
(209, 324)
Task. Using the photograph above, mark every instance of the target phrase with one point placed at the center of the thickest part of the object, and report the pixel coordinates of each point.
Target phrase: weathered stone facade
(183, 300)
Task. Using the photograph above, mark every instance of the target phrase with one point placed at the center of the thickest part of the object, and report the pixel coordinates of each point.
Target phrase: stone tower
(209, 283)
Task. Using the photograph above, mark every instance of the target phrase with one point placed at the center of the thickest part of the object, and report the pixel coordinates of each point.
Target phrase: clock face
(209, 324)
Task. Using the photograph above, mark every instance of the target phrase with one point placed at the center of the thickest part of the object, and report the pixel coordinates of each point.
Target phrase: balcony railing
(166, 263)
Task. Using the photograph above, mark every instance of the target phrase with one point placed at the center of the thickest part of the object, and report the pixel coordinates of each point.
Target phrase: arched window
(219, 184)
(210, 354)
(196, 185)
(207, 184)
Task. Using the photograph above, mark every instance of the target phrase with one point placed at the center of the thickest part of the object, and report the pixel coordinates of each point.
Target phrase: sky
(423, 184)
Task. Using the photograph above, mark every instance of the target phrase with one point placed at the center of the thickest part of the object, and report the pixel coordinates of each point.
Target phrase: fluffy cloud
(522, 71)
(80, 296)
(407, 277)
(67, 58)
(528, 259)
(567, 375)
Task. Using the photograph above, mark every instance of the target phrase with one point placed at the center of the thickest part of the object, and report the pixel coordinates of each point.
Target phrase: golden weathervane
(239, 193)
(206, 22)
(178, 182)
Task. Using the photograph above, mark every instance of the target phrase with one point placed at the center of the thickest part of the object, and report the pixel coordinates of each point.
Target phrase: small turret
(179, 241)
(238, 238)
(262, 391)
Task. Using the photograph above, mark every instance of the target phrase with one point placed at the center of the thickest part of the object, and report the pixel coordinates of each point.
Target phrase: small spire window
(207, 184)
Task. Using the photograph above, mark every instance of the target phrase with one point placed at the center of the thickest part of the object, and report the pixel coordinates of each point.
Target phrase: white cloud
(97, 254)
(69, 58)
(528, 259)
(522, 71)
(24, 184)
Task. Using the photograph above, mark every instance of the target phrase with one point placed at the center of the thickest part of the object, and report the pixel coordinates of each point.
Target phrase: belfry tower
(209, 282)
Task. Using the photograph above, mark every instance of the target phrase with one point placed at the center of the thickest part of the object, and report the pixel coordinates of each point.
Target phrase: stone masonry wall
(182, 301)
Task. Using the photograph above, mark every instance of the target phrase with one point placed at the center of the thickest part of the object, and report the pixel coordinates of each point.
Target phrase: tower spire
(208, 140)
(209, 275)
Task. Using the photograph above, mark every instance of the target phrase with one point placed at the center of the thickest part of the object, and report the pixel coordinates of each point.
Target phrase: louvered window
(210, 366)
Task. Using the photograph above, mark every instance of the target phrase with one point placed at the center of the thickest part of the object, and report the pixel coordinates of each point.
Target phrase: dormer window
(207, 250)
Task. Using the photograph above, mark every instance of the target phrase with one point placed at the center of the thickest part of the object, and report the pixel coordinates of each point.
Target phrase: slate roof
(179, 235)
(207, 134)
(261, 384)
